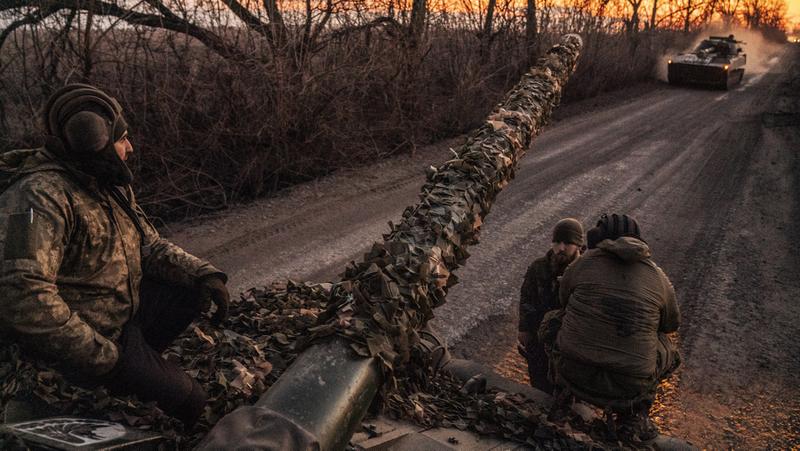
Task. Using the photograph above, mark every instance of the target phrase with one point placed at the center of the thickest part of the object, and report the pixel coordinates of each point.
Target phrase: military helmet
(85, 118)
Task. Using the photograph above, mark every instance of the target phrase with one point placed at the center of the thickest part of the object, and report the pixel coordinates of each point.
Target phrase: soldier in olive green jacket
(87, 283)
(612, 349)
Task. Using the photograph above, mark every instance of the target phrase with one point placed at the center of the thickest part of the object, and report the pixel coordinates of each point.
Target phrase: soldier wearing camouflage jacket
(87, 283)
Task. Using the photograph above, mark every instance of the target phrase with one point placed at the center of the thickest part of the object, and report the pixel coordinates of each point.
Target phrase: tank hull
(716, 76)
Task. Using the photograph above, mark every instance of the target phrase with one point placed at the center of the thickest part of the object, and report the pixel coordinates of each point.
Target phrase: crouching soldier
(612, 350)
(87, 284)
(539, 295)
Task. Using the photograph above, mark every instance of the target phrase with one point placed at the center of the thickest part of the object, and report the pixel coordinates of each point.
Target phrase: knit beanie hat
(568, 230)
(85, 118)
(612, 227)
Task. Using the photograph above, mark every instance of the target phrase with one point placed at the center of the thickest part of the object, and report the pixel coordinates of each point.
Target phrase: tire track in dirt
(299, 220)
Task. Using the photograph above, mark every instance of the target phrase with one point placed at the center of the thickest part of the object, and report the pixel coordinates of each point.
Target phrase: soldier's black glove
(141, 371)
(523, 338)
(213, 289)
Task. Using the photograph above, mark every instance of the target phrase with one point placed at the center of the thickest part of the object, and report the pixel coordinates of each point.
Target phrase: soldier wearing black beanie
(611, 228)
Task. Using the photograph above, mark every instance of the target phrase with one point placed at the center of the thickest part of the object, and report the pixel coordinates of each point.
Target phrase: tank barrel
(327, 391)
(384, 301)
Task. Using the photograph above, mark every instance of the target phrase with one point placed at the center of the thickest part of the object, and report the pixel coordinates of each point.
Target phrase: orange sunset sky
(793, 13)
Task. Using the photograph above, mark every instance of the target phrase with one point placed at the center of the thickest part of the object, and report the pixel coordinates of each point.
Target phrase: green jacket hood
(15, 164)
(627, 248)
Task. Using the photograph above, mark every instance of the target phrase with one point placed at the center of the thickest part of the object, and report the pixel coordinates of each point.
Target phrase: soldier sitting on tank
(88, 285)
(612, 349)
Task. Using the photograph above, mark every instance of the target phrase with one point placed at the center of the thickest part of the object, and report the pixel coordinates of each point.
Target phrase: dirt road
(713, 178)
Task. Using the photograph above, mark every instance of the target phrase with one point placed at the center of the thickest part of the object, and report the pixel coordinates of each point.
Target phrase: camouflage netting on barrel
(386, 299)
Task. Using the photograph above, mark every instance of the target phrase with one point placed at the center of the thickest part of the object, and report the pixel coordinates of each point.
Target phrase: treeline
(230, 99)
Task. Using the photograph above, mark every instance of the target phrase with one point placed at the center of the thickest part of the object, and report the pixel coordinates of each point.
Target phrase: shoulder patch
(23, 235)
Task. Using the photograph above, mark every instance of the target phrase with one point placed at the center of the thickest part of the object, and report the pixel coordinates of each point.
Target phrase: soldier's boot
(611, 425)
(475, 384)
(636, 426)
(562, 404)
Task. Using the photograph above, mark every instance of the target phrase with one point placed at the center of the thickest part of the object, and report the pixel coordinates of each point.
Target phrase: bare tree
(489, 20)
(531, 31)
(652, 24)
(686, 11)
(728, 10)
(419, 12)
(633, 22)
(764, 13)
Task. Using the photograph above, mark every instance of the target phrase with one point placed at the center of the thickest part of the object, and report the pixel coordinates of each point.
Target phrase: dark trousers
(165, 311)
(538, 366)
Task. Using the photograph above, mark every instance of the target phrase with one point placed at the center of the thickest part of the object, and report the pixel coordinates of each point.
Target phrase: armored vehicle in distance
(717, 61)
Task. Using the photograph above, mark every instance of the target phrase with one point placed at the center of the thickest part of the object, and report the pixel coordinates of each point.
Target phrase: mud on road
(713, 178)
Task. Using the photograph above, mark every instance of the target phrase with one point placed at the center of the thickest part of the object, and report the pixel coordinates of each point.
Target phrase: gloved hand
(523, 338)
(141, 371)
(213, 289)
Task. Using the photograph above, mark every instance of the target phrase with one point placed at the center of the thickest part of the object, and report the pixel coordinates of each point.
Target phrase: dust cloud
(758, 49)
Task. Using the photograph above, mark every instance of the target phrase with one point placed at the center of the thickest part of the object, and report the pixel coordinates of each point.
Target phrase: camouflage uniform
(73, 261)
(538, 295)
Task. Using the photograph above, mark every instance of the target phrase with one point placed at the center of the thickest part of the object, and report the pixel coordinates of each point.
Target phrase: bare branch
(278, 30)
(29, 19)
(249, 19)
(171, 22)
(394, 24)
(162, 8)
(13, 4)
(310, 40)
(168, 20)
